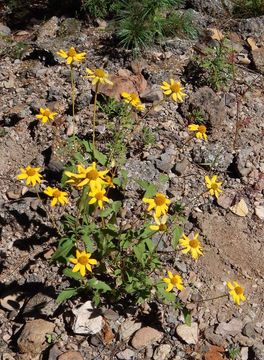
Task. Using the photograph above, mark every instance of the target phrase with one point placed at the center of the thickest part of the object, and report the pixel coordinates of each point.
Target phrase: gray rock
(54, 352)
(213, 338)
(258, 58)
(180, 167)
(48, 30)
(154, 94)
(165, 163)
(213, 155)
(258, 351)
(4, 30)
(145, 336)
(259, 211)
(212, 108)
(127, 354)
(32, 339)
(188, 334)
(143, 170)
(214, 8)
(162, 352)
(249, 330)
(252, 26)
(70, 28)
(128, 328)
(231, 328)
(244, 353)
(243, 165)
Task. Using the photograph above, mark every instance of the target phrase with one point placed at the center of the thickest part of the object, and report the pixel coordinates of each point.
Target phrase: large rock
(231, 328)
(32, 340)
(211, 107)
(252, 26)
(258, 58)
(145, 336)
(213, 7)
(188, 334)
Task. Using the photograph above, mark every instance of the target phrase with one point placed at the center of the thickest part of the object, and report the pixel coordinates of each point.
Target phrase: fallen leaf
(108, 334)
(216, 34)
(240, 208)
(214, 353)
(252, 43)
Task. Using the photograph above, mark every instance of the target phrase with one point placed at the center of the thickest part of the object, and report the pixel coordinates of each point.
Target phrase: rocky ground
(232, 227)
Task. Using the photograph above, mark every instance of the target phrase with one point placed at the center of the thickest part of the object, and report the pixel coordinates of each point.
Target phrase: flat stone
(128, 328)
(145, 336)
(188, 334)
(214, 339)
(4, 30)
(232, 328)
(162, 352)
(181, 167)
(154, 94)
(259, 211)
(32, 340)
(70, 355)
(249, 330)
(86, 322)
(127, 354)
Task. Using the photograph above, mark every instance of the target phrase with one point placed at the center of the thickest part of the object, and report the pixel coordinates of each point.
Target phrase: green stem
(73, 93)
(49, 214)
(210, 299)
(94, 115)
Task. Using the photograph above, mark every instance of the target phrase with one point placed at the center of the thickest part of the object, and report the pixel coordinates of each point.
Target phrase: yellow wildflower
(200, 131)
(237, 292)
(30, 174)
(133, 99)
(97, 194)
(82, 262)
(159, 203)
(98, 76)
(109, 181)
(57, 195)
(213, 186)
(46, 115)
(71, 55)
(194, 245)
(174, 89)
(160, 225)
(173, 281)
(87, 176)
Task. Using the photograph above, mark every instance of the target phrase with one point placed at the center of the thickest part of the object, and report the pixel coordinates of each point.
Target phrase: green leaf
(176, 235)
(116, 205)
(150, 189)
(64, 249)
(149, 244)
(67, 294)
(100, 157)
(98, 285)
(76, 276)
(187, 317)
(139, 251)
(106, 212)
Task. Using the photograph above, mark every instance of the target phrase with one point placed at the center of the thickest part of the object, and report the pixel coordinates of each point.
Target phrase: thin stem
(94, 115)
(50, 215)
(210, 299)
(73, 93)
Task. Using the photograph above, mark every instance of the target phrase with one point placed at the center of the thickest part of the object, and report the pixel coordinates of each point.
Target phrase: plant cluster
(248, 8)
(138, 24)
(105, 254)
(217, 64)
